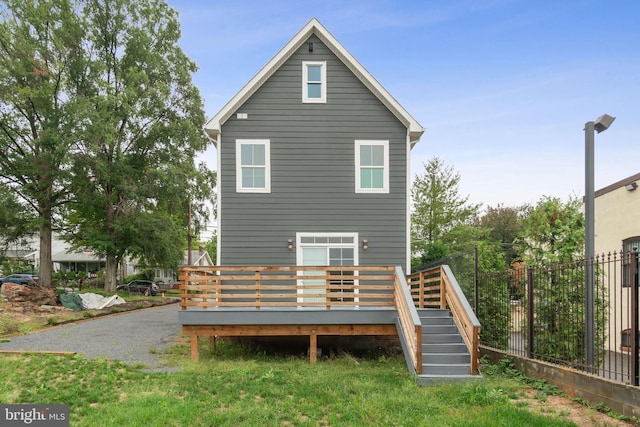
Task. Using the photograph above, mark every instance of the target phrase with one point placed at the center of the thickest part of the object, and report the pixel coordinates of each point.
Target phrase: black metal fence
(540, 312)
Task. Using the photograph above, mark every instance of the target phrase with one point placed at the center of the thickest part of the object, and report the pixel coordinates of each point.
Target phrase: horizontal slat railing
(438, 288)
(463, 315)
(269, 286)
(302, 286)
(425, 288)
(409, 320)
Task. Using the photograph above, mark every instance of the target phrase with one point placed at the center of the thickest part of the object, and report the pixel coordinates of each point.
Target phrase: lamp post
(601, 124)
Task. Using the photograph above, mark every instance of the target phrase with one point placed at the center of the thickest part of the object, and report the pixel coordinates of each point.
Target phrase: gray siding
(312, 169)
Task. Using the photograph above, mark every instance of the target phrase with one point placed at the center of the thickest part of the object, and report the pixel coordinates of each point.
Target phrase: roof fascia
(213, 126)
(414, 129)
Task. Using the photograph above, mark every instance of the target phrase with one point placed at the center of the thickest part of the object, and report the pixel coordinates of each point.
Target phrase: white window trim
(300, 245)
(323, 82)
(385, 171)
(267, 172)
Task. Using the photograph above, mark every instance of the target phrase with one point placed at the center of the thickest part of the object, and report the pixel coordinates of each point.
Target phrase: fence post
(635, 338)
(475, 280)
(530, 312)
(421, 295)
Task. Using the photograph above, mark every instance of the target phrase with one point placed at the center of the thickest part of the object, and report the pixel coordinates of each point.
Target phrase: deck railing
(409, 320)
(327, 288)
(333, 288)
(295, 286)
(438, 288)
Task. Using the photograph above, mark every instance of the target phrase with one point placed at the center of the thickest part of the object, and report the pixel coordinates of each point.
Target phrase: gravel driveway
(137, 336)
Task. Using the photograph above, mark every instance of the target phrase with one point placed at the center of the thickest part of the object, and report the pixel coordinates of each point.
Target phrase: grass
(238, 385)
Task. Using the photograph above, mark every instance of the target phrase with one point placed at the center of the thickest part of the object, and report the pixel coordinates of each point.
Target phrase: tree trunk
(110, 273)
(46, 265)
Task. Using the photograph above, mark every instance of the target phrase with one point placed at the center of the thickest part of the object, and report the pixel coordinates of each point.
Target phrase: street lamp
(601, 124)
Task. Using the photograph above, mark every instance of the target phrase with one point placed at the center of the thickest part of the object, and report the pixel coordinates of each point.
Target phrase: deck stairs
(445, 356)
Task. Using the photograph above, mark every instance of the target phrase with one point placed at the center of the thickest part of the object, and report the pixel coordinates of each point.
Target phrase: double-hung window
(253, 166)
(314, 82)
(372, 166)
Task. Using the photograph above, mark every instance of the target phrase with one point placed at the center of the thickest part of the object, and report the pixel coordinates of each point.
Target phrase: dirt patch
(567, 409)
(32, 294)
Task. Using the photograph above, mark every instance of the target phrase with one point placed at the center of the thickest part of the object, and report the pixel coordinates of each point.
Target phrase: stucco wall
(617, 217)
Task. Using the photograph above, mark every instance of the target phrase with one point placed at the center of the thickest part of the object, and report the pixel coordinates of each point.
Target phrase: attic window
(314, 82)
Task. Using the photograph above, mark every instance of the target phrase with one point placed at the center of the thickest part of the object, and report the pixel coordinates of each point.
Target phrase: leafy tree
(441, 219)
(504, 224)
(212, 247)
(133, 171)
(490, 257)
(16, 220)
(494, 308)
(553, 231)
(203, 198)
(9, 266)
(552, 239)
(441, 216)
(443, 229)
(433, 251)
(40, 43)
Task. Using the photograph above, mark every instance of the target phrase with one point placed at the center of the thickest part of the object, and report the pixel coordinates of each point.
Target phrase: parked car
(145, 287)
(20, 279)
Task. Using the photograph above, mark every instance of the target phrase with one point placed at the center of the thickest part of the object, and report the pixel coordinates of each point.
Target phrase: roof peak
(314, 26)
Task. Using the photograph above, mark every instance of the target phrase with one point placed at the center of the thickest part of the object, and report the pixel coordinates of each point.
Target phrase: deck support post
(313, 347)
(212, 342)
(195, 353)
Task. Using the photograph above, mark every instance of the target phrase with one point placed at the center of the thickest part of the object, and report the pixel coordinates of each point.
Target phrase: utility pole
(601, 124)
(189, 236)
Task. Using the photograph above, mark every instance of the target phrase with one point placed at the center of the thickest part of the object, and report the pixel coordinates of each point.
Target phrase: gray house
(313, 162)
(313, 179)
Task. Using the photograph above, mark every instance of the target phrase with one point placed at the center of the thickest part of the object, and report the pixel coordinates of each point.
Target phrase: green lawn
(236, 385)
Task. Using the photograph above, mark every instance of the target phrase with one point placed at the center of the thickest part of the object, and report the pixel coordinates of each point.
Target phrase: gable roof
(314, 27)
(198, 257)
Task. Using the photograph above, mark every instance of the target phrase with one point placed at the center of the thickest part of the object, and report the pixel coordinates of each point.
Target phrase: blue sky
(503, 87)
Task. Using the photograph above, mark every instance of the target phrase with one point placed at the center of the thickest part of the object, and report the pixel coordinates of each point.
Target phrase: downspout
(216, 140)
(408, 204)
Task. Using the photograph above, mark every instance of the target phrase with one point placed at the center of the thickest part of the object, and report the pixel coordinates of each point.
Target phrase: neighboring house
(313, 162)
(85, 261)
(20, 252)
(164, 276)
(617, 229)
(88, 262)
(617, 216)
(198, 257)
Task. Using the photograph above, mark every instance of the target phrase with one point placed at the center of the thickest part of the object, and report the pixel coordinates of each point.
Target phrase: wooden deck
(306, 301)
